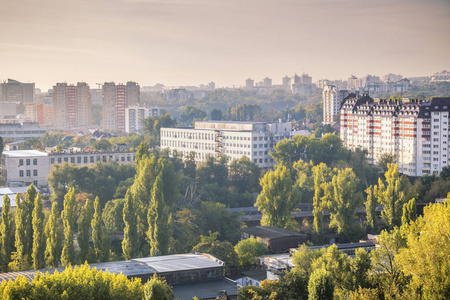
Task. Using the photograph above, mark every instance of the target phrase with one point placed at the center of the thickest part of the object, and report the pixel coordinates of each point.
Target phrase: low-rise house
(276, 239)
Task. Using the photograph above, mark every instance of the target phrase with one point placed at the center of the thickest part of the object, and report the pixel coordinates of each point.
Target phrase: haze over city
(194, 41)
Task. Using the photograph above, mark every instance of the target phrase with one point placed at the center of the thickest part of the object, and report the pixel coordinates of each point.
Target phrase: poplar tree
(38, 234)
(371, 205)
(97, 233)
(24, 229)
(6, 233)
(278, 198)
(68, 217)
(84, 224)
(52, 232)
(130, 235)
(409, 212)
(392, 194)
(159, 221)
(341, 199)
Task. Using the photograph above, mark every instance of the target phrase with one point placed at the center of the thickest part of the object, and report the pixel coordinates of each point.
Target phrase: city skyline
(194, 42)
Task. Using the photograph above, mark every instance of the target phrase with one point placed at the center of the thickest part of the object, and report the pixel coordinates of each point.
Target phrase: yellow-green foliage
(77, 283)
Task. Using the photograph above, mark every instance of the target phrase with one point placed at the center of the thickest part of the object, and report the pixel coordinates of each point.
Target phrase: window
(91, 159)
(78, 159)
(52, 160)
(28, 173)
(72, 160)
(35, 173)
(35, 182)
(21, 173)
(28, 161)
(59, 160)
(34, 161)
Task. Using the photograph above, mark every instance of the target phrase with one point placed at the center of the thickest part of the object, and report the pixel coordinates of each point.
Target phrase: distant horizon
(274, 82)
(193, 42)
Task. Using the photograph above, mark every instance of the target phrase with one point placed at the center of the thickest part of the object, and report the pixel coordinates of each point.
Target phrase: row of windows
(28, 161)
(28, 172)
(90, 159)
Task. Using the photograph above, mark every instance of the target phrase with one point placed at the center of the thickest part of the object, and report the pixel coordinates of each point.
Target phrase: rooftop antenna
(99, 85)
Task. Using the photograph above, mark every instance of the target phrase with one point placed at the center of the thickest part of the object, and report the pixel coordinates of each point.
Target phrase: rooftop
(270, 232)
(180, 262)
(24, 153)
(204, 290)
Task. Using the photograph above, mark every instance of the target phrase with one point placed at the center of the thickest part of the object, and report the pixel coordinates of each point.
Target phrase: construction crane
(99, 85)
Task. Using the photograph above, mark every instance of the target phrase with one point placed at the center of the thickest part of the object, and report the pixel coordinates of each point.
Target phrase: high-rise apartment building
(16, 91)
(116, 98)
(249, 83)
(416, 132)
(72, 105)
(332, 100)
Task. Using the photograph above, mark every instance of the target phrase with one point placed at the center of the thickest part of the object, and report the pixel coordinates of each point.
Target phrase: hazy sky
(190, 42)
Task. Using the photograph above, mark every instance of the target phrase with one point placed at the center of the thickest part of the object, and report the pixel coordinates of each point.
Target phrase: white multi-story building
(25, 167)
(332, 100)
(232, 139)
(415, 132)
(135, 114)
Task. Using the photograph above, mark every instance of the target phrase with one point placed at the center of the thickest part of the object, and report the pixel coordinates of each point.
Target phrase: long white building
(232, 139)
(415, 132)
(25, 167)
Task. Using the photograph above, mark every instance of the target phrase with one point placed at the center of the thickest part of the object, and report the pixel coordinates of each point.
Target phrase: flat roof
(24, 153)
(270, 232)
(204, 290)
(11, 192)
(126, 267)
(180, 262)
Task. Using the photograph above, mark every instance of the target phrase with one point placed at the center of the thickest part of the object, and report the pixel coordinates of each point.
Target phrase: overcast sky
(190, 42)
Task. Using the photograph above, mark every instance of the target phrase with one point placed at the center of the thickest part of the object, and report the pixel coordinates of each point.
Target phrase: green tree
(392, 194)
(192, 113)
(385, 160)
(53, 234)
(409, 211)
(97, 231)
(74, 283)
(185, 231)
(84, 224)
(130, 235)
(216, 115)
(157, 289)
(305, 179)
(159, 221)
(222, 250)
(24, 230)
(102, 144)
(2, 146)
(427, 257)
(142, 151)
(371, 205)
(152, 127)
(244, 175)
(38, 234)
(6, 234)
(278, 198)
(341, 198)
(112, 215)
(249, 249)
(288, 151)
(322, 174)
(68, 217)
(320, 285)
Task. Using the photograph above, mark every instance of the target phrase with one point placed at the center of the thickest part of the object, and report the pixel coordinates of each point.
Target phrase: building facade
(41, 113)
(115, 99)
(21, 131)
(16, 91)
(231, 139)
(72, 106)
(23, 167)
(135, 114)
(332, 100)
(415, 132)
